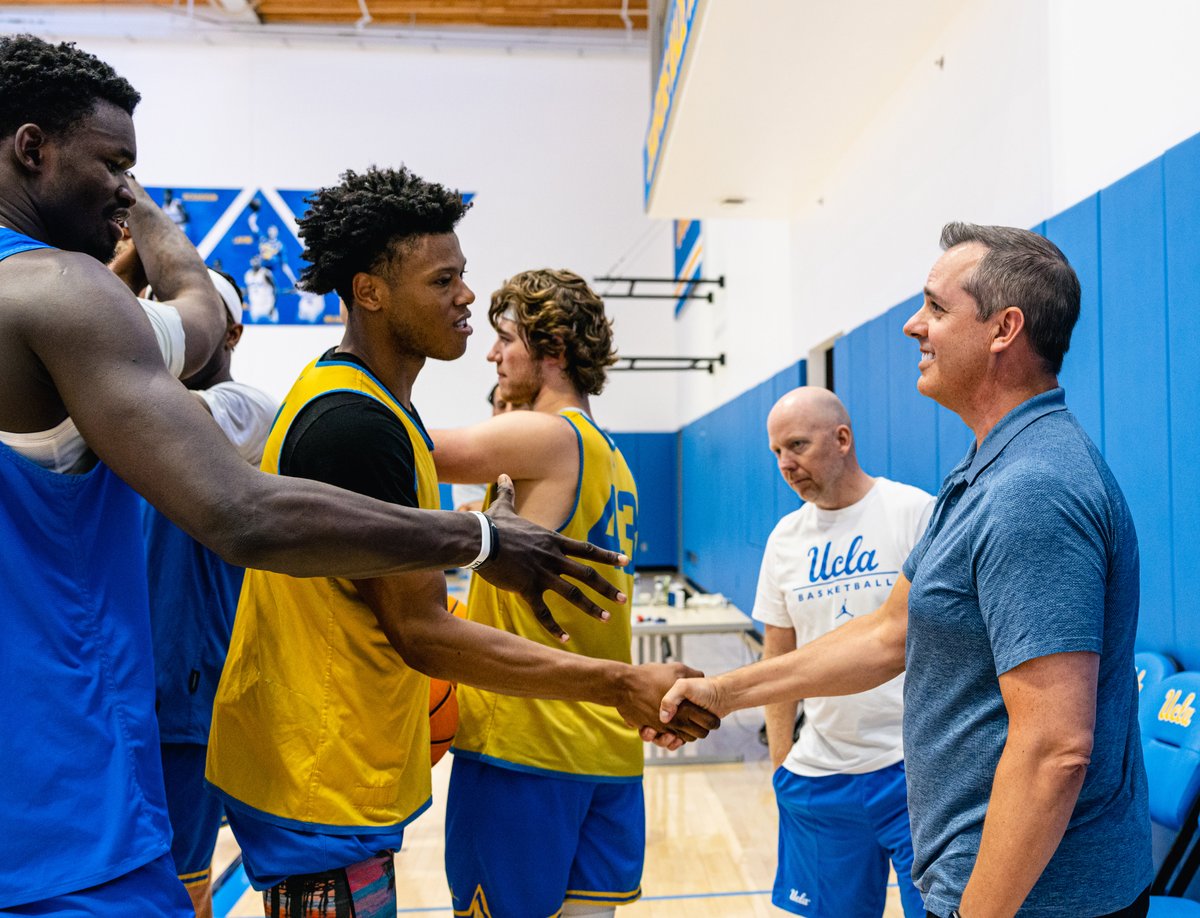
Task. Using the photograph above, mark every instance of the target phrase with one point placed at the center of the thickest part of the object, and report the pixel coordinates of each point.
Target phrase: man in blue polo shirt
(1014, 619)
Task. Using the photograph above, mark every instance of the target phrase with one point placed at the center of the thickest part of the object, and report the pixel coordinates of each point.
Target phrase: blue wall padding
(900, 433)
(912, 418)
(1077, 232)
(1132, 377)
(1182, 196)
(872, 416)
(733, 494)
(653, 459)
(1133, 323)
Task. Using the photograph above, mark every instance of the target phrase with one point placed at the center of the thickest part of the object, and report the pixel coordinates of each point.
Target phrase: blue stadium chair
(1170, 725)
(1152, 668)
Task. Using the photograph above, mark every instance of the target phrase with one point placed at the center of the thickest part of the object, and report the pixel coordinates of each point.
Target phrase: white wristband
(485, 547)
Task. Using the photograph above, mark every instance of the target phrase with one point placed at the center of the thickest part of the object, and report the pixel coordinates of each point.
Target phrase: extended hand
(685, 695)
(643, 691)
(533, 560)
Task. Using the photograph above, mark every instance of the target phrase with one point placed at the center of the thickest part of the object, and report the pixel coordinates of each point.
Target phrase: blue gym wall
(652, 458)
(1132, 377)
(710, 495)
(733, 495)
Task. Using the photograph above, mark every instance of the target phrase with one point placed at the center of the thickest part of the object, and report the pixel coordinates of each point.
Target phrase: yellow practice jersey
(318, 722)
(563, 737)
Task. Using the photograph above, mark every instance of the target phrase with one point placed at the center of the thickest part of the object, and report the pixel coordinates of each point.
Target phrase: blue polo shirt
(1030, 551)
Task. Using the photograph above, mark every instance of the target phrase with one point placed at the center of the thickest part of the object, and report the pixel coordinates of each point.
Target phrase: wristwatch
(955, 914)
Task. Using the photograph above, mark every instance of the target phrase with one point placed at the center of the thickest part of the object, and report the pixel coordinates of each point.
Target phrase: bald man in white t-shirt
(840, 786)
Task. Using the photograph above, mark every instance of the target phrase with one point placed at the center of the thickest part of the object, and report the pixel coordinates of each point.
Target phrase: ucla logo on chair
(1172, 711)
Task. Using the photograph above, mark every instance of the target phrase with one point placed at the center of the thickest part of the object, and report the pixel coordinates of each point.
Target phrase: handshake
(660, 701)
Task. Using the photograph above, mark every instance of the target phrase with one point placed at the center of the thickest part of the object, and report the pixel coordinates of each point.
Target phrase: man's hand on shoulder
(532, 561)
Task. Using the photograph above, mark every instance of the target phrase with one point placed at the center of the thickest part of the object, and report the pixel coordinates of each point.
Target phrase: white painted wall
(1124, 76)
(1039, 104)
(751, 321)
(549, 142)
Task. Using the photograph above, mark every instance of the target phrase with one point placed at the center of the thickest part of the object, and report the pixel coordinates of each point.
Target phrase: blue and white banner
(251, 235)
(689, 260)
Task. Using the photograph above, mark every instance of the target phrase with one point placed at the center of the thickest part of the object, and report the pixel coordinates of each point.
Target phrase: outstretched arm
(89, 334)
(175, 270)
(411, 610)
(857, 656)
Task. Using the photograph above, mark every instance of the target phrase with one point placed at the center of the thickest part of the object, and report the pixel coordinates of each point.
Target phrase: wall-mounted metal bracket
(677, 282)
(667, 364)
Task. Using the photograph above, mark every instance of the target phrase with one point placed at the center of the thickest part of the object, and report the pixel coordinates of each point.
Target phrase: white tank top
(61, 448)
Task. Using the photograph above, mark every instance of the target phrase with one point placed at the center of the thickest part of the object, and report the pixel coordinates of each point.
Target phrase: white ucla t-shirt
(821, 569)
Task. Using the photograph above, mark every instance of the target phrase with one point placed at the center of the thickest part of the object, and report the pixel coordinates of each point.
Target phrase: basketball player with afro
(560, 777)
(320, 736)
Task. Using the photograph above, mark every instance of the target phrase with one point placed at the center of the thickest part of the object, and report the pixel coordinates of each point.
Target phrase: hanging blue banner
(689, 260)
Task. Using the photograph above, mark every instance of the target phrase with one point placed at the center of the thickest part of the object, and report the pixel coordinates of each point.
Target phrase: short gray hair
(1028, 271)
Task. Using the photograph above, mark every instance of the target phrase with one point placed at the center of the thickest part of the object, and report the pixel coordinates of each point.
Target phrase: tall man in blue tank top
(559, 777)
(85, 823)
(1014, 619)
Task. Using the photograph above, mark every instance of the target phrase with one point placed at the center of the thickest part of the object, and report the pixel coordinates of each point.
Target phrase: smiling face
(83, 196)
(954, 342)
(425, 298)
(519, 375)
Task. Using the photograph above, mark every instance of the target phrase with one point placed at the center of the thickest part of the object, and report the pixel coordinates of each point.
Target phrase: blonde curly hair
(558, 315)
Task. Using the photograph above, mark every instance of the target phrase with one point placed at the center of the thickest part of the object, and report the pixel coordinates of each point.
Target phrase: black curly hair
(364, 221)
(54, 86)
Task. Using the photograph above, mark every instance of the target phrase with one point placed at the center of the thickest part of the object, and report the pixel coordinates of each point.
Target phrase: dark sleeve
(351, 441)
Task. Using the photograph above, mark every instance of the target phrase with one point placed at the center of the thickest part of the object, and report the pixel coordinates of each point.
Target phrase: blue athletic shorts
(152, 889)
(519, 844)
(194, 809)
(836, 836)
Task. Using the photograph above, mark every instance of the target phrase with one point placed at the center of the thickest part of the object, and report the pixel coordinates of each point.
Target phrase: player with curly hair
(320, 778)
(560, 777)
(89, 415)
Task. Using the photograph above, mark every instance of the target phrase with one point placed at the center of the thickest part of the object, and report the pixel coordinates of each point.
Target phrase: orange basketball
(443, 718)
(443, 704)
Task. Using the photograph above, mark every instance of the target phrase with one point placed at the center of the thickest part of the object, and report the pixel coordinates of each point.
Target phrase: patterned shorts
(363, 890)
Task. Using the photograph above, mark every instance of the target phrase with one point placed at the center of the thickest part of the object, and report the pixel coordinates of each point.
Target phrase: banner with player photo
(251, 235)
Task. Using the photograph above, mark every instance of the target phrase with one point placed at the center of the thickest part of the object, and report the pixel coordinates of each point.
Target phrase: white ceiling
(772, 93)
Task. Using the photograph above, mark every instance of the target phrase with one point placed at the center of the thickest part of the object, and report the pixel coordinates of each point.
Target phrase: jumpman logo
(846, 612)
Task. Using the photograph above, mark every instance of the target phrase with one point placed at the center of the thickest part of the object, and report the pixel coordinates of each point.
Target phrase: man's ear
(1008, 324)
(28, 145)
(367, 290)
(233, 335)
(558, 353)
(845, 437)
